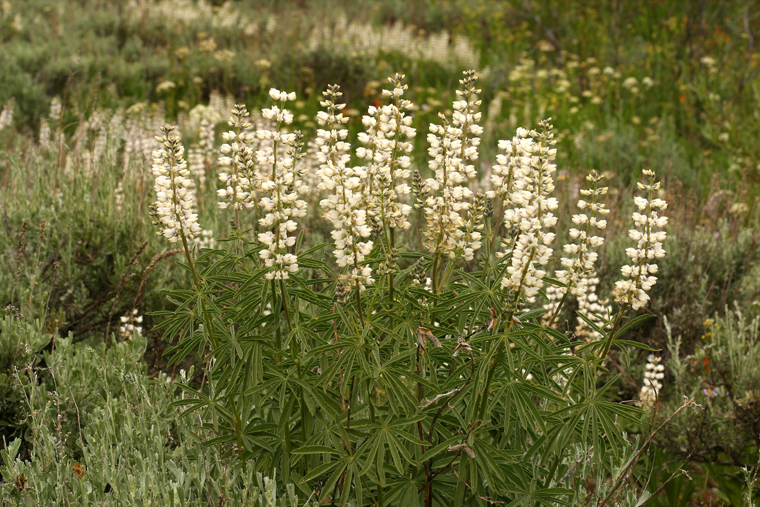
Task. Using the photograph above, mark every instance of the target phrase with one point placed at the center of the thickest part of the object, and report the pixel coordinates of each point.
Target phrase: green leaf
(321, 470)
(438, 449)
(633, 323)
(317, 449)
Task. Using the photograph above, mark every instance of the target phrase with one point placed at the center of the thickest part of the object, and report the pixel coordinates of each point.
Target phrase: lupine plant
(389, 375)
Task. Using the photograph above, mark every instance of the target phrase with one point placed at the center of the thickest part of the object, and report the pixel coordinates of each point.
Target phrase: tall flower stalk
(631, 292)
(387, 143)
(534, 217)
(579, 266)
(453, 146)
(531, 251)
(344, 205)
(174, 209)
(281, 188)
(237, 190)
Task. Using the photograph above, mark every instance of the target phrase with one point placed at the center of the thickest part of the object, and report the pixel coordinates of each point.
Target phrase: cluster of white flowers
(652, 385)
(131, 325)
(350, 38)
(554, 296)
(452, 146)
(137, 135)
(280, 186)
(56, 108)
(174, 208)
(45, 132)
(343, 206)
(639, 275)
(387, 140)
(508, 181)
(207, 140)
(200, 158)
(6, 116)
(580, 266)
(533, 216)
(197, 166)
(118, 196)
(509, 165)
(238, 188)
(592, 307)
(205, 239)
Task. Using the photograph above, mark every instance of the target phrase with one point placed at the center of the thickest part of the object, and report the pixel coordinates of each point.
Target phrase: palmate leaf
(594, 417)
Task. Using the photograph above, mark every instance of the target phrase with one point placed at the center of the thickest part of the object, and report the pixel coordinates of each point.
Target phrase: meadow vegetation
(355, 291)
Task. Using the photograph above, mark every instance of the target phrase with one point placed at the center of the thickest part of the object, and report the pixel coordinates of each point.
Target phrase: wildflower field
(379, 253)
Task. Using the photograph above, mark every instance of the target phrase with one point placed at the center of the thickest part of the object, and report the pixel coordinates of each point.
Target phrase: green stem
(390, 275)
(238, 433)
(492, 369)
(359, 304)
(284, 295)
(559, 307)
(435, 273)
(276, 310)
(611, 335)
(553, 470)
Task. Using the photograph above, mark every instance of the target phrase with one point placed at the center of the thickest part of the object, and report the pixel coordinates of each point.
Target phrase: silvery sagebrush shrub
(389, 375)
(722, 374)
(21, 344)
(105, 433)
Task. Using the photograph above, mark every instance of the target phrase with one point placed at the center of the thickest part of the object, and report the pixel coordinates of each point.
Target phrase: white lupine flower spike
(631, 292)
(387, 142)
(344, 205)
(280, 187)
(648, 237)
(654, 373)
(174, 209)
(237, 190)
(444, 197)
(531, 251)
(579, 266)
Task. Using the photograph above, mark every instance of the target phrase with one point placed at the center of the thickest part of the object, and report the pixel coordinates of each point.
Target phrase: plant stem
(284, 294)
(559, 307)
(390, 275)
(492, 369)
(611, 335)
(276, 310)
(359, 304)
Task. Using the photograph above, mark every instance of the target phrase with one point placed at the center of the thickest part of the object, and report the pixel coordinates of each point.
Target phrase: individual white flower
(280, 188)
(534, 217)
(648, 237)
(173, 210)
(580, 265)
(344, 205)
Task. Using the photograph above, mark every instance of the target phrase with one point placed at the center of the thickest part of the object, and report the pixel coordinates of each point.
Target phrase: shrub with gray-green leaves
(103, 433)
